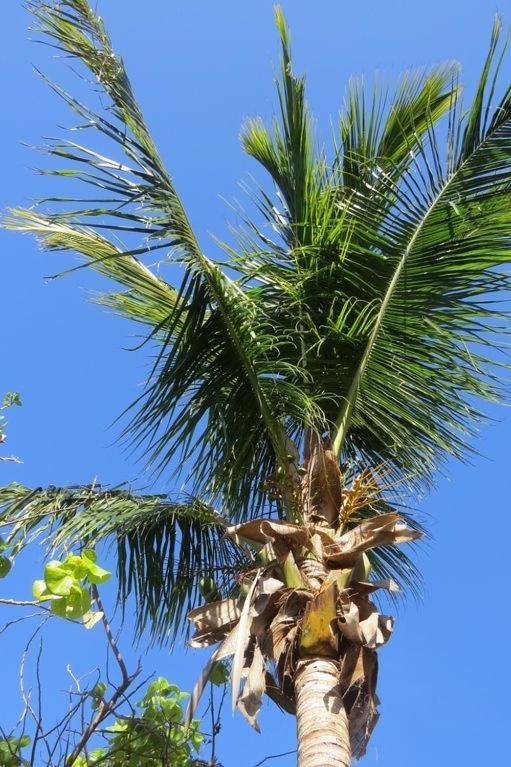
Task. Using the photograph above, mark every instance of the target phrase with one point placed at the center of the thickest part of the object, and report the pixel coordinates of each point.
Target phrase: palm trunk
(323, 736)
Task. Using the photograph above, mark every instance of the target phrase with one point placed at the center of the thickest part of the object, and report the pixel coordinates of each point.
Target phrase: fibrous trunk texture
(322, 722)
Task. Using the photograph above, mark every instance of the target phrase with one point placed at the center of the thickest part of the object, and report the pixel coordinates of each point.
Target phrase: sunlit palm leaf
(148, 299)
(430, 350)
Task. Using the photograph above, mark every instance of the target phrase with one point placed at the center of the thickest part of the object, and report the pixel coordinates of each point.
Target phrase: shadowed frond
(164, 549)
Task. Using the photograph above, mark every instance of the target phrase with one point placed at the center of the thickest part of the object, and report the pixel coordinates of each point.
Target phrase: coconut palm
(306, 383)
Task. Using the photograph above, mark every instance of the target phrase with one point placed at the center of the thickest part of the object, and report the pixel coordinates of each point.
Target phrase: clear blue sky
(199, 68)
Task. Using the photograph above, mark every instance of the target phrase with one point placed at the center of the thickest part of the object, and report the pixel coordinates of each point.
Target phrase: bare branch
(275, 756)
(111, 640)
(23, 603)
(106, 708)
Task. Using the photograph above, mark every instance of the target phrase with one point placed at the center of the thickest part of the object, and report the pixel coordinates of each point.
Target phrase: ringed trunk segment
(322, 721)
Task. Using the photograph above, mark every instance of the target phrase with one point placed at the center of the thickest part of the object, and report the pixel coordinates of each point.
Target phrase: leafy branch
(10, 399)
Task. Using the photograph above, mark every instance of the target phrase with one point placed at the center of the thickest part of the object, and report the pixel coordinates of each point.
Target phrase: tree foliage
(154, 736)
(359, 304)
(360, 300)
(344, 347)
(10, 399)
(164, 548)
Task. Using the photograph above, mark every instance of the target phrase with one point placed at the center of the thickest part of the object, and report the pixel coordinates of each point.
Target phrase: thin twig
(275, 756)
(23, 603)
(108, 631)
(18, 620)
(107, 707)
(213, 724)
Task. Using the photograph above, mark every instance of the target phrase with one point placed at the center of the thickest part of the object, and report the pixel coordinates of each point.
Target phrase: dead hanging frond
(286, 615)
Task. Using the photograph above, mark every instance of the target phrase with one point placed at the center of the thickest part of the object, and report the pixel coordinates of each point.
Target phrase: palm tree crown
(342, 346)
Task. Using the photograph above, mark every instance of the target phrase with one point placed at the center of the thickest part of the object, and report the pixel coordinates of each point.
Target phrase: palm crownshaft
(348, 338)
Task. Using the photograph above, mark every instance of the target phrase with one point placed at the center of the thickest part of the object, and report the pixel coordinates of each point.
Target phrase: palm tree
(306, 384)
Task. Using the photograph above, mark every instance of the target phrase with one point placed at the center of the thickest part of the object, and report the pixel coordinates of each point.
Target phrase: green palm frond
(163, 548)
(148, 299)
(436, 265)
(388, 296)
(209, 328)
(370, 130)
(287, 154)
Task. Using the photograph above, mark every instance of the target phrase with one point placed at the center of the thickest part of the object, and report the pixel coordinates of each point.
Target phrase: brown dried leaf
(322, 485)
(262, 614)
(283, 629)
(253, 691)
(207, 637)
(361, 702)
(383, 530)
(223, 651)
(361, 623)
(242, 639)
(214, 615)
(265, 530)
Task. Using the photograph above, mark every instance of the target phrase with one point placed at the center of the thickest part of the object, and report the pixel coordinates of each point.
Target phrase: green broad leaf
(41, 592)
(39, 589)
(75, 566)
(73, 606)
(99, 690)
(90, 618)
(89, 554)
(97, 694)
(94, 573)
(159, 686)
(58, 579)
(219, 674)
(59, 607)
(11, 398)
(10, 750)
(24, 741)
(117, 726)
(197, 739)
(5, 566)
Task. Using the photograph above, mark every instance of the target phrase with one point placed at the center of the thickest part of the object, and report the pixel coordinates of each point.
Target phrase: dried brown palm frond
(313, 598)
